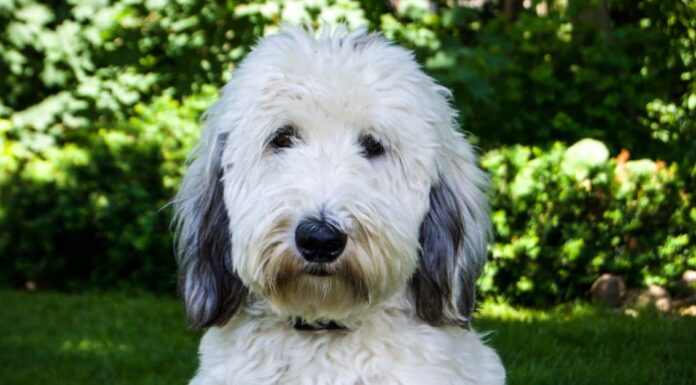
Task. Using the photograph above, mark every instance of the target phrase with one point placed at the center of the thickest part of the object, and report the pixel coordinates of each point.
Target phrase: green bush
(536, 80)
(564, 216)
(100, 101)
(91, 213)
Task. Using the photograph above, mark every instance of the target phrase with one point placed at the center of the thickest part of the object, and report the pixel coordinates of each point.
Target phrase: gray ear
(211, 289)
(453, 238)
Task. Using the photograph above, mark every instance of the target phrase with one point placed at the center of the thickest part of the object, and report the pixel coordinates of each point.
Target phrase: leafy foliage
(90, 213)
(564, 216)
(100, 101)
(562, 77)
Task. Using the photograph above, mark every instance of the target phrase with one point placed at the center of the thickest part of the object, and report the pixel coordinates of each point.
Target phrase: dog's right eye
(372, 148)
(285, 137)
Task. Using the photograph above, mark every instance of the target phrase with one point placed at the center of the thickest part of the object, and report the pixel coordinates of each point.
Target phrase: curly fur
(416, 219)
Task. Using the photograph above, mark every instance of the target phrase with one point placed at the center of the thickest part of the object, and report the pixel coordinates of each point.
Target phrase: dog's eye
(284, 138)
(371, 147)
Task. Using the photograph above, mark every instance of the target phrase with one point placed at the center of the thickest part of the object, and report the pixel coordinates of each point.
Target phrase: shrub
(534, 79)
(539, 79)
(99, 102)
(91, 213)
(563, 216)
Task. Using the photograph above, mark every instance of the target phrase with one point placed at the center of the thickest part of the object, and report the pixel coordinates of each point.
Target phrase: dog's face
(331, 177)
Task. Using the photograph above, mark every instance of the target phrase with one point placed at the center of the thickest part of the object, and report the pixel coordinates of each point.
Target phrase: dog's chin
(313, 291)
(312, 296)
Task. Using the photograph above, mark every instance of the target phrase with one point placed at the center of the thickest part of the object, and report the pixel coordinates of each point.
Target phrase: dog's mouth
(317, 270)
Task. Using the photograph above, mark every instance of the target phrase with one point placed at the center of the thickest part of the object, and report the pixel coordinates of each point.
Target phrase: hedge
(565, 215)
(93, 212)
(531, 78)
(100, 101)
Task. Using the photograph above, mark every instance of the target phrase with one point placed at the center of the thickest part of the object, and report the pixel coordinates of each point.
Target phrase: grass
(116, 338)
(49, 338)
(581, 344)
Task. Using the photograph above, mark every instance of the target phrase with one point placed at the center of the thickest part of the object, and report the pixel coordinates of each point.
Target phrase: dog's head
(330, 177)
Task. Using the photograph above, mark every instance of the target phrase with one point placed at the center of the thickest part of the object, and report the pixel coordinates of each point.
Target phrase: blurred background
(584, 113)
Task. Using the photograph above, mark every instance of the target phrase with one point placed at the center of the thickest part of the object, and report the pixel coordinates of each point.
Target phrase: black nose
(319, 241)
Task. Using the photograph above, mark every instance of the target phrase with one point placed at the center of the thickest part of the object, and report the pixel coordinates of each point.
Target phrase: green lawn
(49, 338)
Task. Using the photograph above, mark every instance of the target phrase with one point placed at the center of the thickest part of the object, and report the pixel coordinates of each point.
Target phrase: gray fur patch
(211, 289)
(442, 234)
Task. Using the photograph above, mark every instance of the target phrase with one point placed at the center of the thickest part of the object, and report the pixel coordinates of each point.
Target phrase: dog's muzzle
(319, 241)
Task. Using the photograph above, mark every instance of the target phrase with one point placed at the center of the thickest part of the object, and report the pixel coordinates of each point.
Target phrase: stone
(688, 311)
(689, 276)
(655, 297)
(608, 289)
(30, 285)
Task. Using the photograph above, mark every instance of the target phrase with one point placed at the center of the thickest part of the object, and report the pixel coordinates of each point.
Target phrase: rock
(663, 304)
(654, 296)
(608, 289)
(686, 305)
(689, 276)
(688, 311)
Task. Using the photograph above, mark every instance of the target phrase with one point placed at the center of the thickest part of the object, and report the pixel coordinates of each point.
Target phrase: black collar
(302, 325)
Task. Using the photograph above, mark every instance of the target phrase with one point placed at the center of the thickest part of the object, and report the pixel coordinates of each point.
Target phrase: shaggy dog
(332, 225)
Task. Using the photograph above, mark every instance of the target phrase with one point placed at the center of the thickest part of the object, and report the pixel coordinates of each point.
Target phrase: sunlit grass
(582, 344)
(115, 338)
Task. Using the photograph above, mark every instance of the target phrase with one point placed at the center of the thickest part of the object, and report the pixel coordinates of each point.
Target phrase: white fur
(389, 347)
(333, 89)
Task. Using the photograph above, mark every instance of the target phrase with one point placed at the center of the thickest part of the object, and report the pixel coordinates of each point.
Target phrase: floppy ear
(453, 238)
(211, 289)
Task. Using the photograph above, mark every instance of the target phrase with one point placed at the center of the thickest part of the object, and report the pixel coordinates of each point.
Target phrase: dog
(332, 223)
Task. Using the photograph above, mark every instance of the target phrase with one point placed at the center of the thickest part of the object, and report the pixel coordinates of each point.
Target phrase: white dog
(332, 223)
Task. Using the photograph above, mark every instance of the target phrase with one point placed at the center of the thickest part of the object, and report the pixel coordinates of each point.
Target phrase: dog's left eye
(284, 138)
(371, 147)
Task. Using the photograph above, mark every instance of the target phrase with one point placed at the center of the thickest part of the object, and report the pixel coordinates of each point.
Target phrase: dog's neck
(302, 325)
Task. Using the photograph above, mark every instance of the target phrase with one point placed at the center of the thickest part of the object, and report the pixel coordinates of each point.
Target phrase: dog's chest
(254, 355)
